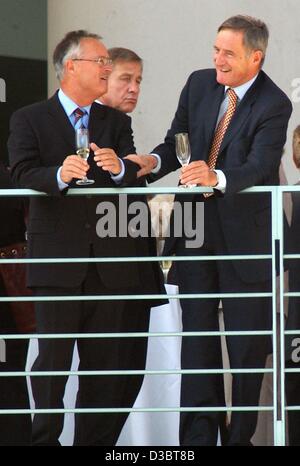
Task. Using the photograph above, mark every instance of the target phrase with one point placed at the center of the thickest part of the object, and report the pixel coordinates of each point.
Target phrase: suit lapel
(96, 126)
(209, 112)
(64, 126)
(242, 112)
(61, 120)
(213, 102)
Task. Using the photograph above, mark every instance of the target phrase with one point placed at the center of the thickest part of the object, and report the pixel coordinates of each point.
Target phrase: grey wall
(175, 37)
(23, 25)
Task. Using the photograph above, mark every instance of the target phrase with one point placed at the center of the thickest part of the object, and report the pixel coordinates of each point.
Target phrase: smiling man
(237, 119)
(124, 81)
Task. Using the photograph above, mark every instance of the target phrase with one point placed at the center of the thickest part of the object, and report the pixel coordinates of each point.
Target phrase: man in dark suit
(42, 136)
(236, 118)
(123, 91)
(292, 342)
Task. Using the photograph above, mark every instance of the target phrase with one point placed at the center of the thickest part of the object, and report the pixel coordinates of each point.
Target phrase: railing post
(278, 285)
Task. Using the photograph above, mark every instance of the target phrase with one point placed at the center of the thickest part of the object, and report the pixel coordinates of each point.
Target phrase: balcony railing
(278, 294)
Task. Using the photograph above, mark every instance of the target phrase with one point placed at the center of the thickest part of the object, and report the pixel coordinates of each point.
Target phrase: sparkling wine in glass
(183, 152)
(166, 265)
(83, 150)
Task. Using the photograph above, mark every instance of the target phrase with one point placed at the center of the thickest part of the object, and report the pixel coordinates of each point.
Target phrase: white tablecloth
(156, 391)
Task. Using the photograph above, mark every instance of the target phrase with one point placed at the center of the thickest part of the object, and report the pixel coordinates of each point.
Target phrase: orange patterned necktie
(220, 131)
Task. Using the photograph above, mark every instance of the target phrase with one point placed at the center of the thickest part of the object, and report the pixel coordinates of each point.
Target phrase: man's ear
(257, 57)
(70, 66)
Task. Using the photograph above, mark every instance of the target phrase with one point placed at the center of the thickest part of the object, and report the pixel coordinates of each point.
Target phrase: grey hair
(70, 47)
(121, 54)
(256, 33)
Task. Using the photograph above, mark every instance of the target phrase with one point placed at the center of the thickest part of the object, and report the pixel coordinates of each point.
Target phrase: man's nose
(134, 87)
(219, 59)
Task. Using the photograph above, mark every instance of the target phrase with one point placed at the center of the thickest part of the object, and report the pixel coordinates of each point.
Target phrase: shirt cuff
(118, 178)
(61, 184)
(222, 182)
(158, 166)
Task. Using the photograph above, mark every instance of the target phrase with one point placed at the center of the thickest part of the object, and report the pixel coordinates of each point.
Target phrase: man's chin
(223, 78)
(128, 108)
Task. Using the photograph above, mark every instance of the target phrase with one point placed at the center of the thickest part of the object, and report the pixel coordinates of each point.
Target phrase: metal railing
(277, 256)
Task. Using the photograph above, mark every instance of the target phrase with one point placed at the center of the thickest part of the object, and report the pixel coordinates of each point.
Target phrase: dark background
(23, 58)
(26, 82)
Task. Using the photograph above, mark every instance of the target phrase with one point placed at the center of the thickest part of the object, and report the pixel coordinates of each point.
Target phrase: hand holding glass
(183, 152)
(83, 150)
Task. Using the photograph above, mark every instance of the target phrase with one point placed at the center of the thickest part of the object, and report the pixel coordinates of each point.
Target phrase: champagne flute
(83, 150)
(183, 152)
(166, 265)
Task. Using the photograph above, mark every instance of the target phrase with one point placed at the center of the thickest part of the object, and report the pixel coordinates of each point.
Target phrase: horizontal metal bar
(147, 190)
(79, 260)
(288, 188)
(106, 191)
(133, 372)
(126, 297)
(133, 335)
(136, 410)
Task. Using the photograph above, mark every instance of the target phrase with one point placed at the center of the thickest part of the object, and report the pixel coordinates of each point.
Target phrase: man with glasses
(42, 155)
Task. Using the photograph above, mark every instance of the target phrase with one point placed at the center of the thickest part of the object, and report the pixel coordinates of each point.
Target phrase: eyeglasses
(102, 61)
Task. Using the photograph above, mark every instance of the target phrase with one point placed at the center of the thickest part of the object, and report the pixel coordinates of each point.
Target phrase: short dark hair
(122, 54)
(69, 47)
(256, 33)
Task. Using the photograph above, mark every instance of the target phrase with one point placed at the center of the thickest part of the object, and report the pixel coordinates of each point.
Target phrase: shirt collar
(69, 105)
(241, 90)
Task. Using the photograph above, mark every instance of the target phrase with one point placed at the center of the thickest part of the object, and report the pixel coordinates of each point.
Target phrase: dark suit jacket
(63, 226)
(249, 155)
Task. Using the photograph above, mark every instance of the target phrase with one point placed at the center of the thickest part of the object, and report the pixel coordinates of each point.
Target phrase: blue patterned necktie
(78, 118)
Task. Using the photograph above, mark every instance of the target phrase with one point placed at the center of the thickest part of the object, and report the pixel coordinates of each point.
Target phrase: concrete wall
(23, 26)
(176, 37)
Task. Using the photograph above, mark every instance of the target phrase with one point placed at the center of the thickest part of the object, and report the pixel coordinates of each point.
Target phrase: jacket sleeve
(24, 155)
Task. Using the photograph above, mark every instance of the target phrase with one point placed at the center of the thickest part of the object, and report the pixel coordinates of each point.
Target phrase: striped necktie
(78, 118)
(220, 131)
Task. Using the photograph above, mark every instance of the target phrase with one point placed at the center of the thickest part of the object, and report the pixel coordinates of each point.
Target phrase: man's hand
(107, 159)
(198, 173)
(73, 167)
(146, 162)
